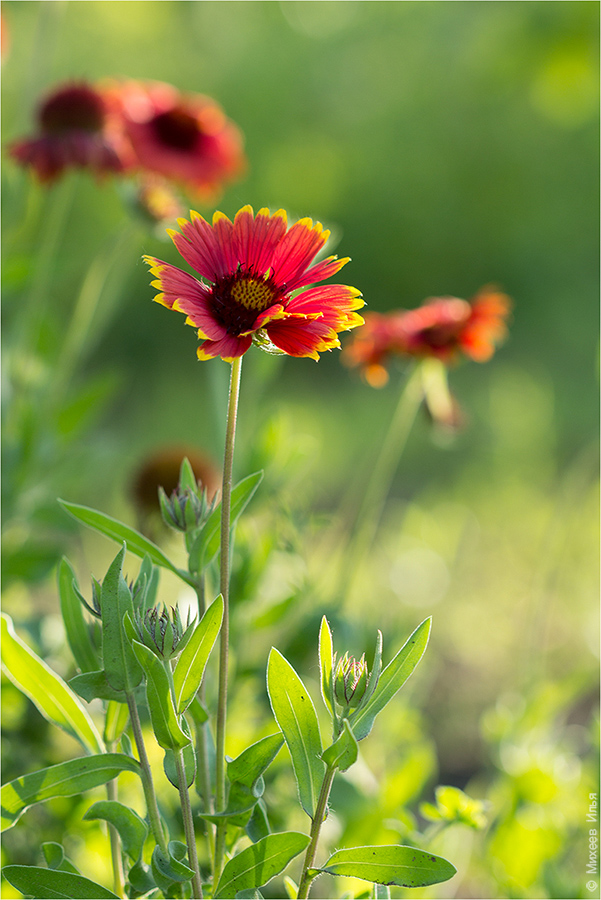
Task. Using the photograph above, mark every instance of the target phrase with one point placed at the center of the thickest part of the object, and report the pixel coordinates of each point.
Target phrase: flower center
(239, 298)
(177, 129)
(74, 107)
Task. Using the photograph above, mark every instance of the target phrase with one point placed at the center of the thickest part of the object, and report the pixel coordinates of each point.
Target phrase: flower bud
(184, 510)
(162, 631)
(350, 681)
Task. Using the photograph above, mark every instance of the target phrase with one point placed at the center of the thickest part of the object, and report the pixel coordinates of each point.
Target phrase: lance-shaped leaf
(54, 855)
(253, 761)
(206, 545)
(115, 721)
(344, 751)
(165, 722)
(62, 780)
(123, 672)
(132, 829)
(52, 696)
(171, 868)
(390, 864)
(391, 680)
(295, 714)
(76, 627)
(376, 669)
(326, 664)
(94, 686)
(189, 758)
(191, 664)
(118, 531)
(257, 864)
(47, 884)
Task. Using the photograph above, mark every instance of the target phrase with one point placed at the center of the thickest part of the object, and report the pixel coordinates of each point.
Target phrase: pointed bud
(350, 681)
(162, 631)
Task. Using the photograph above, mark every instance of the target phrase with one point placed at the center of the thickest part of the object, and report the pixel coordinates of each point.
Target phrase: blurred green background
(447, 145)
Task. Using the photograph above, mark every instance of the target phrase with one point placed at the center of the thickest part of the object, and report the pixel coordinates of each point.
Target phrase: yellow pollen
(252, 293)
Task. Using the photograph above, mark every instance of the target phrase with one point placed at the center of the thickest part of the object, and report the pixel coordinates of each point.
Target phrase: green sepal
(391, 680)
(123, 671)
(207, 543)
(54, 854)
(132, 829)
(326, 665)
(257, 864)
(47, 884)
(344, 751)
(62, 780)
(295, 714)
(189, 753)
(47, 690)
(390, 864)
(165, 724)
(118, 531)
(76, 628)
(189, 671)
(94, 686)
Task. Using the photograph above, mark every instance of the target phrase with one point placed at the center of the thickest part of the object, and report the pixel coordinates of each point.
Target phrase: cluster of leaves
(135, 654)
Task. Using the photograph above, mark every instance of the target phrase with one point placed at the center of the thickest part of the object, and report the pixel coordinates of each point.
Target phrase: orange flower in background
(256, 273)
(74, 130)
(443, 327)
(186, 138)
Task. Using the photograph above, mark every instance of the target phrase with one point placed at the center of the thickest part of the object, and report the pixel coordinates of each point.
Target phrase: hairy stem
(147, 782)
(318, 820)
(116, 858)
(202, 744)
(188, 823)
(226, 496)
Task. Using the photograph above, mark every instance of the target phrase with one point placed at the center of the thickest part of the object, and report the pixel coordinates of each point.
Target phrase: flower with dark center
(256, 275)
(75, 130)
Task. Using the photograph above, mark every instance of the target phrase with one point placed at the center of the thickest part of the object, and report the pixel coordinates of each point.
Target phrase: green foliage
(344, 751)
(122, 669)
(165, 721)
(255, 866)
(132, 829)
(190, 667)
(295, 714)
(76, 628)
(46, 689)
(47, 884)
(393, 864)
(61, 780)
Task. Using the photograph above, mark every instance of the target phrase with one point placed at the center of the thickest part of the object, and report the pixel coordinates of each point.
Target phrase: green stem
(202, 748)
(318, 820)
(116, 858)
(188, 823)
(226, 494)
(152, 808)
(382, 474)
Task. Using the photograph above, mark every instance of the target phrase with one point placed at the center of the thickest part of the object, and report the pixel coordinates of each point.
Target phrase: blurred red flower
(443, 327)
(74, 130)
(255, 267)
(186, 138)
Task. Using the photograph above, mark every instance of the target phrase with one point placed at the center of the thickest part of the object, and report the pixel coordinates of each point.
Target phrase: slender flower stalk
(318, 820)
(202, 749)
(188, 824)
(226, 494)
(115, 842)
(147, 782)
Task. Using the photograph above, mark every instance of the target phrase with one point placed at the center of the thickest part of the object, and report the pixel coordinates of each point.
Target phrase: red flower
(75, 130)
(255, 269)
(443, 327)
(184, 137)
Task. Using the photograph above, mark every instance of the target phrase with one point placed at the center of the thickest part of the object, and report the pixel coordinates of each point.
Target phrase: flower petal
(228, 348)
(296, 250)
(202, 248)
(319, 272)
(255, 239)
(298, 336)
(336, 302)
(184, 293)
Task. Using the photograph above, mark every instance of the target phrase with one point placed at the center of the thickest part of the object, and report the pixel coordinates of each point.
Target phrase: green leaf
(118, 531)
(94, 685)
(115, 721)
(257, 826)
(52, 696)
(253, 761)
(206, 546)
(326, 664)
(295, 714)
(54, 855)
(171, 867)
(76, 627)
(165, 723)
(344, 751)
(390, 864)
(391, 680)
(191, 664)
(241, 801)
(140, 878)
(376, 669)
(132, 829)
(47, 884)
(123, 672)
(257, 864)
(187, 478)
(170, 765)
(146, 585)
(62, 780)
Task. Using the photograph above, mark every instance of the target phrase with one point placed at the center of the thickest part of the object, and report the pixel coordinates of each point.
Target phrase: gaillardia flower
(186, 138)
(443, 328)
(256, 275)
(75, 130)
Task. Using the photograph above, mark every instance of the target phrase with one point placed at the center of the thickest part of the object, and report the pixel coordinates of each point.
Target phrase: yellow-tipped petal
(218, 216)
